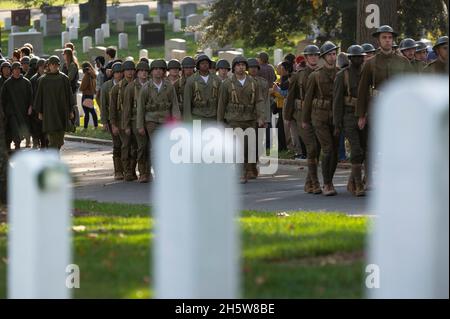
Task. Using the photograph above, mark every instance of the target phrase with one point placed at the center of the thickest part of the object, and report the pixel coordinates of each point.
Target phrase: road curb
(291, 162)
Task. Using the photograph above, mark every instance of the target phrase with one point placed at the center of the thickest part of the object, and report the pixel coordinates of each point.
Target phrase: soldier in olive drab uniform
(157, 104)
(223, 68)
(440, 65)
(345, 97)
(421, 53)
(241, 106)
(376, 71)
(5, 73)
(408, 49)
(188, 68)
(293, 113)
(173, 68)
(201, 93)
(369, 50)
(105, 91)
(118, 121)
(318, 111)
(130, 115)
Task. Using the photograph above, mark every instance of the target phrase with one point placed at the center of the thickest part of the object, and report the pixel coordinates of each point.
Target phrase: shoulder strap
(252, 101)
(234, 97)
(347, 81)
(317, 77)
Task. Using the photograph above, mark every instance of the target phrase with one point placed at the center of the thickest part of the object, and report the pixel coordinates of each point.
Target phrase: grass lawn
(304, 255)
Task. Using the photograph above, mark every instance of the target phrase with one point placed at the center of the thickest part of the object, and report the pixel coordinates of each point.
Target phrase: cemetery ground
(302, 255)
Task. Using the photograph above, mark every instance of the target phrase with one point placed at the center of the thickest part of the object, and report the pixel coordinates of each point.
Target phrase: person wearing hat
(25, 64)
(408, 49)
(369, 50)
(5, 73)
(421, 52)
(345, 96)
(55, 104)
(440, 65)
(266, 70)
(173, 68)
(223, 69)
(17, 101)
(157, 104)
(187, 70)
(318, 112)
(117, 75)
(118, 121)
(385, 65)
(201, 93)
(293, 113)
(138, 141)
(241, 106)
(39, 138)
(32, 69)
(70, 68)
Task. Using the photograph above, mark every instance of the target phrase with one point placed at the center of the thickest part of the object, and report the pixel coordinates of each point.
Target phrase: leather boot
(359, 186)
(351, 182)
(118, 169)
(252, 171)
(308, 188)
(312, 171)
(328, 190)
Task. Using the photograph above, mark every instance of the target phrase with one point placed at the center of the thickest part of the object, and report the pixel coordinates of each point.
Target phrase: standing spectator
(110, 60)
(71, 70)
(88, 89)
(266, 70)
(101, 76)
(16, 56)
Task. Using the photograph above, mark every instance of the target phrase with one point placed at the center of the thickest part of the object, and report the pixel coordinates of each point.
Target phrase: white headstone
(170, 18)
(76, 20)
(65, 38)
(139, 18)
(120, 25)
(194, 20)
(196, 253)
(15, 29)
(156, 19)
(209, 52)
(277, 56)
(229, 55)
(176, 25)
(123, 41)
(99, 37)
(73, 31)
(143, 53)
(7, 22)
(87, 44)
(39, 249)
(409, 245)
(177, 54)
(105, 28)
(173, 44)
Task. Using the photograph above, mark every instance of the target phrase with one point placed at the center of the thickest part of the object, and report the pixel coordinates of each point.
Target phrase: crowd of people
(321, 97)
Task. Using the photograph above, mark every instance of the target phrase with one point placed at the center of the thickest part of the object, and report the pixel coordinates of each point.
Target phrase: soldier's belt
(350, 101)
(240, 108)
(322, 104)
(299, 104)
(375, 93)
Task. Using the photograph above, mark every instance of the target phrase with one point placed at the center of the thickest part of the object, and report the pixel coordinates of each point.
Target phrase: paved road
(91, 166)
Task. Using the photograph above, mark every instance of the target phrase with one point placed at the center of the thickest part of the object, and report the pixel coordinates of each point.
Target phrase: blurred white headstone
(99, 37)
(196, 252)
(105, 28)
(209, 52)
(143, 53)
(65, 38)
(409, 247)
(76, 20)
(176, 25)
(87, 44)
(123, 41)
(139, 18)
(277, 56)
(7, 22)
(73, 33)
(39, 249)
(170, 17)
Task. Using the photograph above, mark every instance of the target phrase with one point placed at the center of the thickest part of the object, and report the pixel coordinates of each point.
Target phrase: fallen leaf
(282, 214)
(79, 228)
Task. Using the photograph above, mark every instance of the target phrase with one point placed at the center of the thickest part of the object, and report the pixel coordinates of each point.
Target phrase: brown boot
(308, 188)
(251, 171)
(351, 183)
(143, 179)
(118, 170)
(312, 171)
(359, 186)
(328, 190)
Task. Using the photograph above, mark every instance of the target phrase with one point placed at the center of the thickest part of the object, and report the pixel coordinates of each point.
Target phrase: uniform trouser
(56, 139)
(324, 130)
(246, 167)
(128, 152)
(151, 128)
(308, 136)
(142, 150)
(356, 137)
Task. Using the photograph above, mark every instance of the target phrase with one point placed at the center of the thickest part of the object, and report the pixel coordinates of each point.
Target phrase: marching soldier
(201, 93)
(157, 103)
(55, 104)
(188, 68)
(223, 68)
(5, 73)
(369, 50)
(382, 67)
(318, 112)
(345, 97)
(118, 121)
(440, 65)
(408, 49)
(293, 113)
(241, 106)
(174, 68)
(421, 52)
(39, 138)
(105, 92)
(130, 116)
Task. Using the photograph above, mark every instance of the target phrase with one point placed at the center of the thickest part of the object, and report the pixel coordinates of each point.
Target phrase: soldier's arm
(141, 102)
(364, 90)
(259, 104)
(223, 102)
(187, 101)
(128, 98)
(37, 103)
(290, 100)
(113, 105)
(176, 113)
(338, 101)
(104, 114)
(310, 93)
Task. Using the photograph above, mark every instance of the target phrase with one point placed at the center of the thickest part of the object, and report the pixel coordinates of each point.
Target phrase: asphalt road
(92, 169)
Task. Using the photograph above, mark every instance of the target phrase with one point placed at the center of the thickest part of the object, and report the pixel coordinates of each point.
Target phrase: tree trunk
(349, 14)
(372, 14)
(97, 14)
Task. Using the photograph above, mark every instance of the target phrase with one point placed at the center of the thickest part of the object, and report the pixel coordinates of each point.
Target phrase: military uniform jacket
(179, 88)
(417, 66)
(116, 99)
(436, 67)
(239, 103)
(319, 94)
(345, 95)
(263, 86)
(200, 98)
(105, 92)
(375, 72)
(130, 102)
(154, 106)
(296, 93)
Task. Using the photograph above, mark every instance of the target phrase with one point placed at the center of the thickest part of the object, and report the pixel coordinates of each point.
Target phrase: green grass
(304, 255)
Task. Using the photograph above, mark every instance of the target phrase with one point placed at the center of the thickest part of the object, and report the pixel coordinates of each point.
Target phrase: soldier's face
(6, 72)
(25, 67)
(223, 73)
(409, 54)
(312, 59)
(240, 68)
(158, 73)
(188, 72)
(386, 41)
(204, 66)
(129, 74)
(357, 60)
(331, 57)
(174, 72)
(117, 76)
(53, 68)
(16, 72)
(253, 71)
(442, 51)
(421, 56)
(142, 75)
